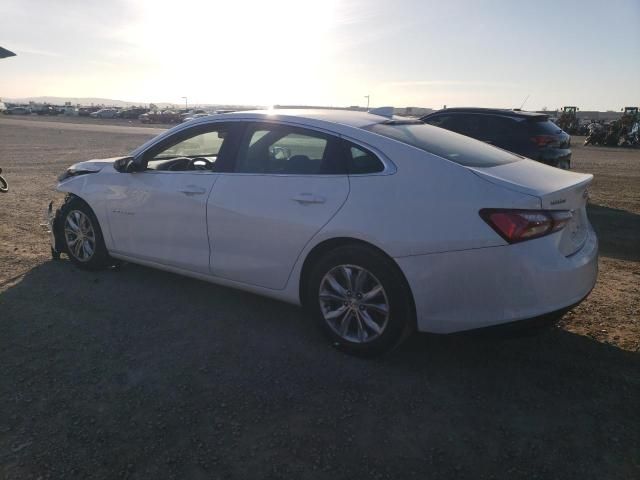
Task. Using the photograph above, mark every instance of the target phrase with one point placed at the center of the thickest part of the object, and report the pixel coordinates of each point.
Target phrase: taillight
(543, 140)
(520, 225)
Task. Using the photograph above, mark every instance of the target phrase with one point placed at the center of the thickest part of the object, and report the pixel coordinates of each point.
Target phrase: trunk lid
(556, 189)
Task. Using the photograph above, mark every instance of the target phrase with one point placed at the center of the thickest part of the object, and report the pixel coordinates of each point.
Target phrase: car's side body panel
(282, 295)
(259, 224)
(161, 216)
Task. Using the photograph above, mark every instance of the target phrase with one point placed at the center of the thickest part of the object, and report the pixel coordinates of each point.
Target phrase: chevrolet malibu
(377, 225)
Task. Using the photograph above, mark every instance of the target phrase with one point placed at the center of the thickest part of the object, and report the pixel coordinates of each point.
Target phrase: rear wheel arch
(333, 310)
(326, 246)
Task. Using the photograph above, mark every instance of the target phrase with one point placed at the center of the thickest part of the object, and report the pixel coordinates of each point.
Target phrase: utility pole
(367, 97)
(185, 103)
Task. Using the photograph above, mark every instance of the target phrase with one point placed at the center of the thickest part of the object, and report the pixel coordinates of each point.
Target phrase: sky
(427, 53)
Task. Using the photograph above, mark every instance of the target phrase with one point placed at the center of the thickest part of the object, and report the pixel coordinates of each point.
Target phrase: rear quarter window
(443, 143)
(361, 161)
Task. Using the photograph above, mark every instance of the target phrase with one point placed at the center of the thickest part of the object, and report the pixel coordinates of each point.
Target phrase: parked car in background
(190, 114)
(105, 113)
(87, 111)
(529, 134)
(165, 116)
(132, 113)
(70, 111)
(377, 225)
(47, 110)
(195, 115)
(18, 111)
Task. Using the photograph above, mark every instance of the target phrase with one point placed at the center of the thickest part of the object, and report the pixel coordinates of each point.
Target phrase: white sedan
(377, 225)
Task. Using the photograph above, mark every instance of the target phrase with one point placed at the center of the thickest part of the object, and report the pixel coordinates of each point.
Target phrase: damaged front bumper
(49, 225)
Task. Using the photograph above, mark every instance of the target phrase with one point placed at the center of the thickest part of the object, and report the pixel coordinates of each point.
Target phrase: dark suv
(528, 134)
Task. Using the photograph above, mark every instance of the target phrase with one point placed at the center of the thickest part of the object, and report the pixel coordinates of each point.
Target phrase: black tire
(99, 257)
(401, 317)
(4, 186)
(564, 165)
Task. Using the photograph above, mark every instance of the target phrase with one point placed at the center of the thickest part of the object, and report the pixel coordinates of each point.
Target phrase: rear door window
(466, 124)
(280, 149)
(494, 128)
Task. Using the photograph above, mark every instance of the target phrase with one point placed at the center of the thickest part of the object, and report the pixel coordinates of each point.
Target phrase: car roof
(341, 122)
(315, 116)
(491, 111)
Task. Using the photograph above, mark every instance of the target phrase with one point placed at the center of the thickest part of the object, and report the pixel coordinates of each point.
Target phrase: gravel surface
(135, 373)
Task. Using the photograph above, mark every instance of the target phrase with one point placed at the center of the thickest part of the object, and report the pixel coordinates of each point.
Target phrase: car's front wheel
(82, 235)
(360, 299)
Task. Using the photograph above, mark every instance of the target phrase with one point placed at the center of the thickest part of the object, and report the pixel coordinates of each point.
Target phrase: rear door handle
(190, 190)
(308, 198)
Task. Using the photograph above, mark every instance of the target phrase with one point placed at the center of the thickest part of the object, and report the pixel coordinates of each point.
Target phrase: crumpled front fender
(52, 225)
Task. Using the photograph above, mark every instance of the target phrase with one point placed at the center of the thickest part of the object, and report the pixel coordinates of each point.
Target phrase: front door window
(190, 151)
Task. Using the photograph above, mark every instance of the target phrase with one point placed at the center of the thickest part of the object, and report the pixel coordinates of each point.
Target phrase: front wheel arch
(58, 221)
(101, 258)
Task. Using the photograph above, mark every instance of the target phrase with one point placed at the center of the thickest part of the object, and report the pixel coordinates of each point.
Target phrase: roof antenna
(525, 101)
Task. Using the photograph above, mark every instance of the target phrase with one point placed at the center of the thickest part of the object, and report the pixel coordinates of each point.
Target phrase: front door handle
(308, 198)
(190, 190)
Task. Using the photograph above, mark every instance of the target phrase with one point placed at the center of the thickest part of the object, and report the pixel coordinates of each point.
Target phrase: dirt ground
(135, 373)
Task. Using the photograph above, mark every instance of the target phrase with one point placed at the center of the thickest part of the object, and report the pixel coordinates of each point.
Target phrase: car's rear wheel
(564, 164)
(360, 299)
(83, 240)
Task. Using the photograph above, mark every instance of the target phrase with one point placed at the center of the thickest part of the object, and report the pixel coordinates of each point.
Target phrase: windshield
(451, 146)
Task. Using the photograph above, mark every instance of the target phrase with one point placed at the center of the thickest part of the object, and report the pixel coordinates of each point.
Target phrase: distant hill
(81, 101)
(110, 102)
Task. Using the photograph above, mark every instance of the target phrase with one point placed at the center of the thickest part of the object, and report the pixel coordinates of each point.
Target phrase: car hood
(94, 165)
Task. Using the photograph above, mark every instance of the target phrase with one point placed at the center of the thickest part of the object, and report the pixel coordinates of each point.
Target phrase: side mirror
(124, 165)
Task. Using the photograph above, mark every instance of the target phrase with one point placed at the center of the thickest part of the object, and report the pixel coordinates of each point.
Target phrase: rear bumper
(554, 156)
(457, 291)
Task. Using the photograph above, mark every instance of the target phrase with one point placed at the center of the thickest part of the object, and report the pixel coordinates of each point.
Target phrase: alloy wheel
(354, 303)
(79, 235)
